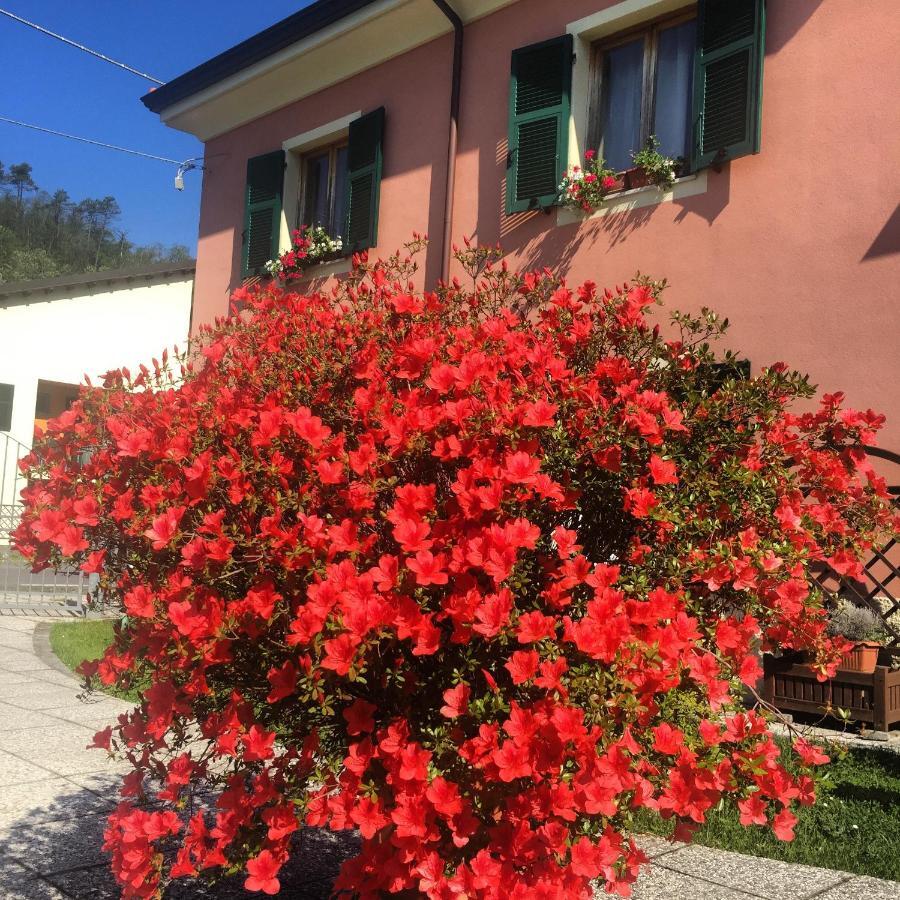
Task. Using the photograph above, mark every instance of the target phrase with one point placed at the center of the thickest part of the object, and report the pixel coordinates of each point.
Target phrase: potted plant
(864, 629)
(309, 246)
(652, 167)
(586, 188)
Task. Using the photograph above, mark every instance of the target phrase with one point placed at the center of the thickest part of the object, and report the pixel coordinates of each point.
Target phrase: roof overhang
(18, 292)
(324, 44)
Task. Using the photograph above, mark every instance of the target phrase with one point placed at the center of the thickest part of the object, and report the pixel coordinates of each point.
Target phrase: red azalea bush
(479, 573)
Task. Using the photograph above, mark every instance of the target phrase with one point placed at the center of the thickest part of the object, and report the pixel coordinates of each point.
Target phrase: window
(6, 406)
(646, 88)
(323, 190)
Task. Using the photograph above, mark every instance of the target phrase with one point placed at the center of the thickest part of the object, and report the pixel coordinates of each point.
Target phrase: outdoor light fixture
(186, 166)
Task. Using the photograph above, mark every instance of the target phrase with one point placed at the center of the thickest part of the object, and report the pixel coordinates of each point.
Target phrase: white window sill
(637, 198)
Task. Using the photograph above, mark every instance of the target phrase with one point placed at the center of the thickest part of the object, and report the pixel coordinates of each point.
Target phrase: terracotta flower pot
(862, 658)
(619, 184)
(636, 178)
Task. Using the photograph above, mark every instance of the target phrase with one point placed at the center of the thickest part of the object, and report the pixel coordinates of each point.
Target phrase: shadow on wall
(557, 247)
(784, 20)
(59, 845)
(888, 239)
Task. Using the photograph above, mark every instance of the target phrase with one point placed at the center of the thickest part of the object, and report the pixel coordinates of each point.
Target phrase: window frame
(303, 199)
(650, 29)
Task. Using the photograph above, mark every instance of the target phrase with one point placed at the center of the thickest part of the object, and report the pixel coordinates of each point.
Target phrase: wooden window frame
(302, 198)
(650, 30)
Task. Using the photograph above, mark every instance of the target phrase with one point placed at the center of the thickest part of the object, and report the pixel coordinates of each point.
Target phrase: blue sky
(56, 86)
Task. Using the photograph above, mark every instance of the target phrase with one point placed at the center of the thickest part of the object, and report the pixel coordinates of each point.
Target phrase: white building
(55, 331)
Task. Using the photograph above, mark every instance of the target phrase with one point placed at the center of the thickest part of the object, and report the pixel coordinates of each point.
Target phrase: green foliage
(661, 169)
(46, 234)
(854, 826)
(856, 623)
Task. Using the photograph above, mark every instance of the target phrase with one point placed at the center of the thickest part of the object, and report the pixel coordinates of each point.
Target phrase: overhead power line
(78, 46)
(74, 137)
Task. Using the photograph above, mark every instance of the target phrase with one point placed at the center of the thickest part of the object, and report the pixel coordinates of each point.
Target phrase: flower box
(870, 697)
(636, 178)
(862, 658)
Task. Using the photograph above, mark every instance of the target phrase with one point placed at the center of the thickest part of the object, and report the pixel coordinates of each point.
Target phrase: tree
(479, 572)
(20, 178)
(69, 236)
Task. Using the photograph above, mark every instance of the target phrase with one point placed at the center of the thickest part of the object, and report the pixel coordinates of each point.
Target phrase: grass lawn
(74, 642)
(854, 825)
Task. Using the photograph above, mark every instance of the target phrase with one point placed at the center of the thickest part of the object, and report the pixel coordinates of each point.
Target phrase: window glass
(317, 190)
(623, 75)
(340, 192)
(674, 76)
(325, 190)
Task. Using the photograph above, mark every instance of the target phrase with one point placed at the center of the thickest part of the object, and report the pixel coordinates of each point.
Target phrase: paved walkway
(54, 796)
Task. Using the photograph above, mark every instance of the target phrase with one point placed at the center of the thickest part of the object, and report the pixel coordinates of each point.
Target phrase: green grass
(854, 825)
(74, 642)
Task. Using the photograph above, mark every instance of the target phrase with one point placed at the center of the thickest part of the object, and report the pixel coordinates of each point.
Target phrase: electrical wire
(78, 46)
(74, 137)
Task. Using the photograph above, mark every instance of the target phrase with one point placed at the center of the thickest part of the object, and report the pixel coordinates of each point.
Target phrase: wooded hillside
(43, 234)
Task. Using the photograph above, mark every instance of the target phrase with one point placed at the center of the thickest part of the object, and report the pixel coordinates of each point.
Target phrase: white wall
(58, 338)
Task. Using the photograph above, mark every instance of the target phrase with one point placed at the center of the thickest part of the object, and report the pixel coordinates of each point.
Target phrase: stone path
(54, 796)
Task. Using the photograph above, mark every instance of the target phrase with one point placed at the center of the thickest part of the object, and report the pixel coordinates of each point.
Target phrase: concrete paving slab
(53, 676)
(659, 883)
(655, 846)
(17, 883)
(44, 801)
(96, 883)
(15, 640)
(19, 661)
(57, 846)
(88, 712)
(37, 695)
(58, 737)
(768, 878)
(17, 771)
(23, 625)
(862, 888)
(85, 762)
(14, 677)
(14, 718)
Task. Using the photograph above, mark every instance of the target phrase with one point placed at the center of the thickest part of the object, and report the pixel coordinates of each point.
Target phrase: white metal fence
(22, 591)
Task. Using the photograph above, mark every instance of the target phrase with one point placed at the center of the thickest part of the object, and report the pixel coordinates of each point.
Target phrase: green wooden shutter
(6, 406)
(728, 80)
(364, 164)
(262, 211)
(539, 102)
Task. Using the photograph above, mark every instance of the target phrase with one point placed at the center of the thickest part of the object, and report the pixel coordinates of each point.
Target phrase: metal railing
(21, 590)
(11, 483)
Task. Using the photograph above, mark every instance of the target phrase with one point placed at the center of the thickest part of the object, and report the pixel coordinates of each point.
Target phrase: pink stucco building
(380, 118)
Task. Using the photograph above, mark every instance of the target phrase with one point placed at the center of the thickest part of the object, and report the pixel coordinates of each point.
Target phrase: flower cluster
(586, 188)
(659, 168)
(308, 245)
(480, 573)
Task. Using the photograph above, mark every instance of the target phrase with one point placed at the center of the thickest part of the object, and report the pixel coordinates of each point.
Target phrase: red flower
(783, 825)
(258, 744)
(456, 701)
(263, 870)
(360, 717)
(429, 569)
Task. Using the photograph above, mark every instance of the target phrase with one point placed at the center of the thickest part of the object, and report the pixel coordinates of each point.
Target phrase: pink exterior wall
(414, 88)
(799, 246)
